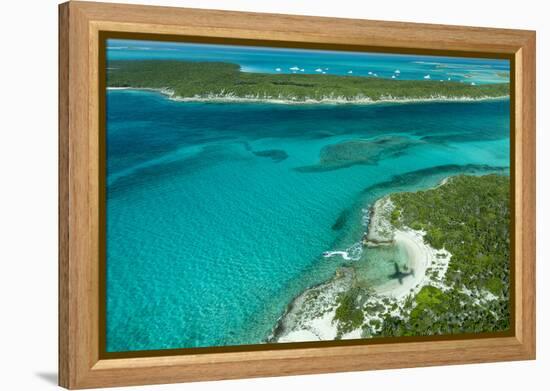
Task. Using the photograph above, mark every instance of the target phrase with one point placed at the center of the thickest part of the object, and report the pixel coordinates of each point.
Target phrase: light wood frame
(80, 24)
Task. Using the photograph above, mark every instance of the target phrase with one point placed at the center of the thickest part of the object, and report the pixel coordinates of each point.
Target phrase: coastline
(424, 295)
(251, 122)
(311, 316)
(421, 256)
(329, 100)
(317, 304)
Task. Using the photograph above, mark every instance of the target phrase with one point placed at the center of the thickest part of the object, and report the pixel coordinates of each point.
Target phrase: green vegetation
(349, 314)
(211, 79)
(470, 217)
(448, 312)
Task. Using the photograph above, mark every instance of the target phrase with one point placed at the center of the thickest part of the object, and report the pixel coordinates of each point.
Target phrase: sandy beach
(420, 257)
(311, 315)
(329, 100)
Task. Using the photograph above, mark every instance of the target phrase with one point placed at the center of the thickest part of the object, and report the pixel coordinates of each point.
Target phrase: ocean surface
(219, 214)
(282, 60)
(209, 236)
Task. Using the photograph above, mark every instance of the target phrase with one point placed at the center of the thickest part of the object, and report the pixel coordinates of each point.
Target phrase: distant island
(220, 81)
(266, 195)
(457, 280)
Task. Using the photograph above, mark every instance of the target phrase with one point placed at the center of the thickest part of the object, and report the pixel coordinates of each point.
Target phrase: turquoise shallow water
(352, 64)
(214, 225)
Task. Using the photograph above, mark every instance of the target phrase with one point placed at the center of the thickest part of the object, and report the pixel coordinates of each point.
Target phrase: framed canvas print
(251, 195)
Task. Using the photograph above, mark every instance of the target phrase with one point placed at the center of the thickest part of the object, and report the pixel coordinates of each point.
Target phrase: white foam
(426, 62)
(343, 254)
(365, 218)
(352, 253)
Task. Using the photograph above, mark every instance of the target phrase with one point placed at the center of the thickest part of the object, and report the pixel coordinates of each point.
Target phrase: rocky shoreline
(330, 99)
(320, 312)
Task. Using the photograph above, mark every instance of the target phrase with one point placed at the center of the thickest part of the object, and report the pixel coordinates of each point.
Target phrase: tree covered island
(188, 80)
(457, 237)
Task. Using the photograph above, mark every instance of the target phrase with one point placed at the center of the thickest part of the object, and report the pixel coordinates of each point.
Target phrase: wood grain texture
(80, 24)
(526, 94)
(63, 200)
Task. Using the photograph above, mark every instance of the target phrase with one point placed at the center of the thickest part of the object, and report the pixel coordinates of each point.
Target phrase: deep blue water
(353, 64)
(218, 214)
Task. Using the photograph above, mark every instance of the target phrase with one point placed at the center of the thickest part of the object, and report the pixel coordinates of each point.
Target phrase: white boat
(294, 69)
(427, 77)
(318, 70)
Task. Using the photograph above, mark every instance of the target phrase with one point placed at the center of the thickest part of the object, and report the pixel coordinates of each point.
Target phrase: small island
(220, 81)
(457, 278)
(269, 194)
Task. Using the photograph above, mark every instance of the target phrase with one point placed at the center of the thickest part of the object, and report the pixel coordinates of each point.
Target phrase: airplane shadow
(400, 275)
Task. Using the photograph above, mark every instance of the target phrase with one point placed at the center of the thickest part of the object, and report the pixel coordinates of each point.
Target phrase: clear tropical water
(208, 242)
(218, 214)
(281, 60)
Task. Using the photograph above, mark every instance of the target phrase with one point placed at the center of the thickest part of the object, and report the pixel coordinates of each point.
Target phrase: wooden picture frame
(81, 24)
